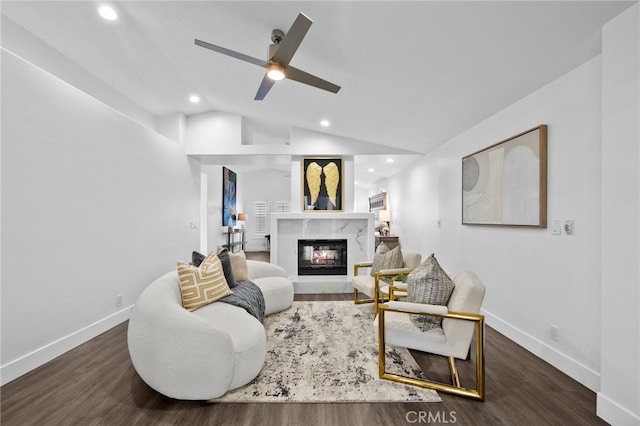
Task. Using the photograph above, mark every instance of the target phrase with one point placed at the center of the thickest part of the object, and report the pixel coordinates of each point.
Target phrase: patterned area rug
(328, 352)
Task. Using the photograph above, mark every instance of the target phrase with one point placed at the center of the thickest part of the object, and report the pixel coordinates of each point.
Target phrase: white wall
(619, 396)
(213, 133)
(93, 205)
(533, 278)
(361, 198)
(265, 185)
(213, 206)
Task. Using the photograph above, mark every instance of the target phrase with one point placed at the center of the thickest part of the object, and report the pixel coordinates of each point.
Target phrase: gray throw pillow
(223, 255)
(429, 284)
(197, 258)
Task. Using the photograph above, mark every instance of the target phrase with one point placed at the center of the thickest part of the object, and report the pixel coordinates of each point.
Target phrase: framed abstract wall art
(229, 179)
(322, 184)
(506, 183)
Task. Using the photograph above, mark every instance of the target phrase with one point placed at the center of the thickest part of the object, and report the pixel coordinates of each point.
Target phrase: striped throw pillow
(204, 285)
(429, 284)
(386, 259)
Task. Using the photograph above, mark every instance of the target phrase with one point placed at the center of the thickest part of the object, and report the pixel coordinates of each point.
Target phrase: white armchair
(453, 340)
(370, 284)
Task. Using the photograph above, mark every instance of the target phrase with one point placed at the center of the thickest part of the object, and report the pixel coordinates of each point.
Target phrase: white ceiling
(413, 74)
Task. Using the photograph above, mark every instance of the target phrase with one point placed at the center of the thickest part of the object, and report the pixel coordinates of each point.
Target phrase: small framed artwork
(378, 202)
(322, 184)
(506, 183)
(229, 179)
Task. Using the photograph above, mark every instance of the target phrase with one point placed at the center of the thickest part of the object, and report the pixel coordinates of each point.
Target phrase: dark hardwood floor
(95, 384)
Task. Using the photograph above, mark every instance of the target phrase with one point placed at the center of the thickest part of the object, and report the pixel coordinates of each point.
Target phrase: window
(282, 207)
(259, 218)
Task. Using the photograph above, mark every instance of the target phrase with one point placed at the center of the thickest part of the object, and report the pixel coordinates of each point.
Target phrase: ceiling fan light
(275, 72)
(108, 13)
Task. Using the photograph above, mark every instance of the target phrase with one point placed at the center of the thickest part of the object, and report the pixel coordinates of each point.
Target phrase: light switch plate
(556, 227)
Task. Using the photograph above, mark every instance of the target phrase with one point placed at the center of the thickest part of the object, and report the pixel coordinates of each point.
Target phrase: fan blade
(306, 78)
(289, 44)
(264, 88)
(232, 53)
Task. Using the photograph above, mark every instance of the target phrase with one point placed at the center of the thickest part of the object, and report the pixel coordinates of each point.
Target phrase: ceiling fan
(280, 54)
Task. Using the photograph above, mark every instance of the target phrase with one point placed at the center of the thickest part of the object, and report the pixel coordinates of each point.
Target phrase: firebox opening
(322, 257)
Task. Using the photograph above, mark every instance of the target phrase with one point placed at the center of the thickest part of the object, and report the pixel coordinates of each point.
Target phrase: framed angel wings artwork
(322, 187)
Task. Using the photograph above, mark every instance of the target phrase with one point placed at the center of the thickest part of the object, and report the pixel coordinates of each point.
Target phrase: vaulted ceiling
(413, 74)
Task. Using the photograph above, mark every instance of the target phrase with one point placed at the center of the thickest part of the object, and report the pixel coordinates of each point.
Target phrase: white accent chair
(453, 339)
(370, 284)
(202, 354)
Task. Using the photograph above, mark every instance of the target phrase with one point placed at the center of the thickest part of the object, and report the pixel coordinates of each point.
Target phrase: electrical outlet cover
(569, 227)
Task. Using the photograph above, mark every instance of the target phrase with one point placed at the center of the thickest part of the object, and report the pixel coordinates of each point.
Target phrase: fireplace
(322, 257)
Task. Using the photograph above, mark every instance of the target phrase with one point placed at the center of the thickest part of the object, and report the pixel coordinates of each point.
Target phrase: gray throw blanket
(248, 296)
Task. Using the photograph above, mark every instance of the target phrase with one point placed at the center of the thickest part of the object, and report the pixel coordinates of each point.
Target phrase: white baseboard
(569, 366)
(613, 413)
(35, 359)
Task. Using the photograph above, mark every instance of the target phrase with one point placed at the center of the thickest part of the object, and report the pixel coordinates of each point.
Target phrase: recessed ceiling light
(389, 160)
(371, 170)
(325, 123)
(194, 99)
(108, 13)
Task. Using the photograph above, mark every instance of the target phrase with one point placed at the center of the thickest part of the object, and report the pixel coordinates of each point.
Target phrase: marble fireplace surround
(287, 228)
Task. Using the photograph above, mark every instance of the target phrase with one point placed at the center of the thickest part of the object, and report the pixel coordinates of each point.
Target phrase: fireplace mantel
(321, 215)
(287, 228)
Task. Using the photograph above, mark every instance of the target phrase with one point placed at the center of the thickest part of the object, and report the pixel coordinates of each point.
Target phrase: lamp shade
(385, 215)
(242, 216)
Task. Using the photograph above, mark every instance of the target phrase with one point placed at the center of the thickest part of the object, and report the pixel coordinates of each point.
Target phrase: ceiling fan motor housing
(277, 36)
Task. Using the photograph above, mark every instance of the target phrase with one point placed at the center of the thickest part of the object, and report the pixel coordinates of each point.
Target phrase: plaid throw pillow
(429, 284)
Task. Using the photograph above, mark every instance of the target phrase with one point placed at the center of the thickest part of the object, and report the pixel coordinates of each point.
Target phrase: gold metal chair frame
(376, 287)
(393, 289)
(456, 389)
